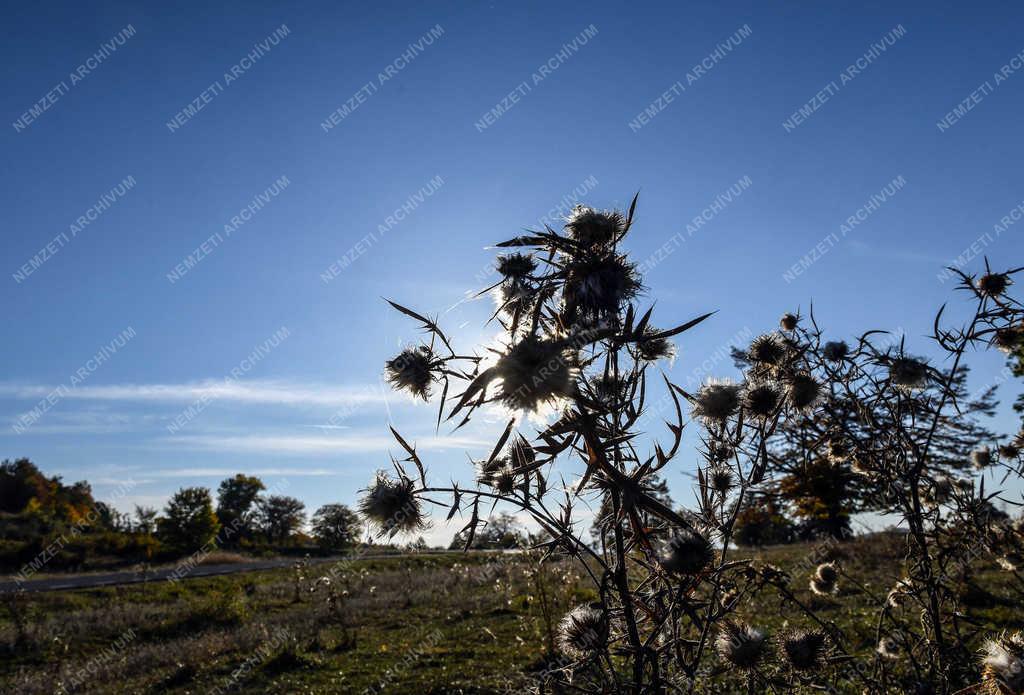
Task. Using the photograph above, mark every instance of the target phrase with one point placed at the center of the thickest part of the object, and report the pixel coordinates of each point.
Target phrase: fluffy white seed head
(594, 228)
(825, 579)
(981, 458)
(741, 645)
(721, 479)
(1003, 664)
(1010, 562)
(688, 552)
(534, 373)
(804, 649)
(766, 351)
(899, 594)
(761, 399)
(889, 648)
(716, 400)
(803, 392)
(584, 630)
(908, 374)
(412, 370)
(390, 505)
(993, 284)
(835, 350)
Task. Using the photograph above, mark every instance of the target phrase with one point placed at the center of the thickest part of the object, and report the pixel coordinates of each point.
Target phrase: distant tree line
(43, 516)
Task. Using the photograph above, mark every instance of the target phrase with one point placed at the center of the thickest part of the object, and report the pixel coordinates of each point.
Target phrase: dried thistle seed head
(503, 480)
(390, 505)
(492, 466)
(741, 645)
(584, 630)
(728, 597)
(838, 450)
(820, 588)
(688, 552)
(1009, 452)
(516, 266)
(514, 297)
(788, 322)
(719, 451)
(596, 288)
(889, 648)
(653, 349)
(908, 373)
(825, 579)
(1003, 665)
(835, 350)
(963, 484)
(535, 373)
(762, 399)
(993, 284)
(773, 573)
(720, 479)
(716, 400)
(498, 475)
(594, 228)
(804, 649)
(803, 392)
(1008, 339)
(827, 572)
(766, 351)
(899, 594)
(1010, 562)
(861, 464)
(413, 371)
(981, 458)
(610, 389)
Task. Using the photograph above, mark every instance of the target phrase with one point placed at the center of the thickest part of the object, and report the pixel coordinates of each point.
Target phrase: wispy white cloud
(250, 392)
(88, 421)
(66, 428)
(896, 254)
(315, 445)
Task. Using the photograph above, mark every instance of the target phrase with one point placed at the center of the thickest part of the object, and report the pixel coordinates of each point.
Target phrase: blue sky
(297, 226)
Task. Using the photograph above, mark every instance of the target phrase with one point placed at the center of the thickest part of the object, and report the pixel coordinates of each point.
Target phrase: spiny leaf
(501, 443)
(477, 384)
(456, 501)
(471, 526)
(679, 329)
(427, 323)
(632, 210)
(532, 240)
(412, 455)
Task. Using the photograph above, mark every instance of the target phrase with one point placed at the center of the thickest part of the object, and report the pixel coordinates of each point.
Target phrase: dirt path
(89, 581)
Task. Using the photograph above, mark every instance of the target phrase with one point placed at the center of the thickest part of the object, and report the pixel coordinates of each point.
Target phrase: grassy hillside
(452, 623)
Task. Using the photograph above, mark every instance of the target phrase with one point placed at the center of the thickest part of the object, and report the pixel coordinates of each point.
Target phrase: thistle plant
(335, 594)
(300, 569)
(579, 354)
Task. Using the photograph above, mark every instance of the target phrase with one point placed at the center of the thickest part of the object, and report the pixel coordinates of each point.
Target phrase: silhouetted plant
(576, 353)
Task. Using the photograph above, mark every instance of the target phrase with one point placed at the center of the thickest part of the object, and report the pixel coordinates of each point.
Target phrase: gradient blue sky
(570, 128)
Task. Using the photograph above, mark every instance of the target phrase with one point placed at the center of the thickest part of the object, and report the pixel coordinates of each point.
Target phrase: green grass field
(416, 624)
